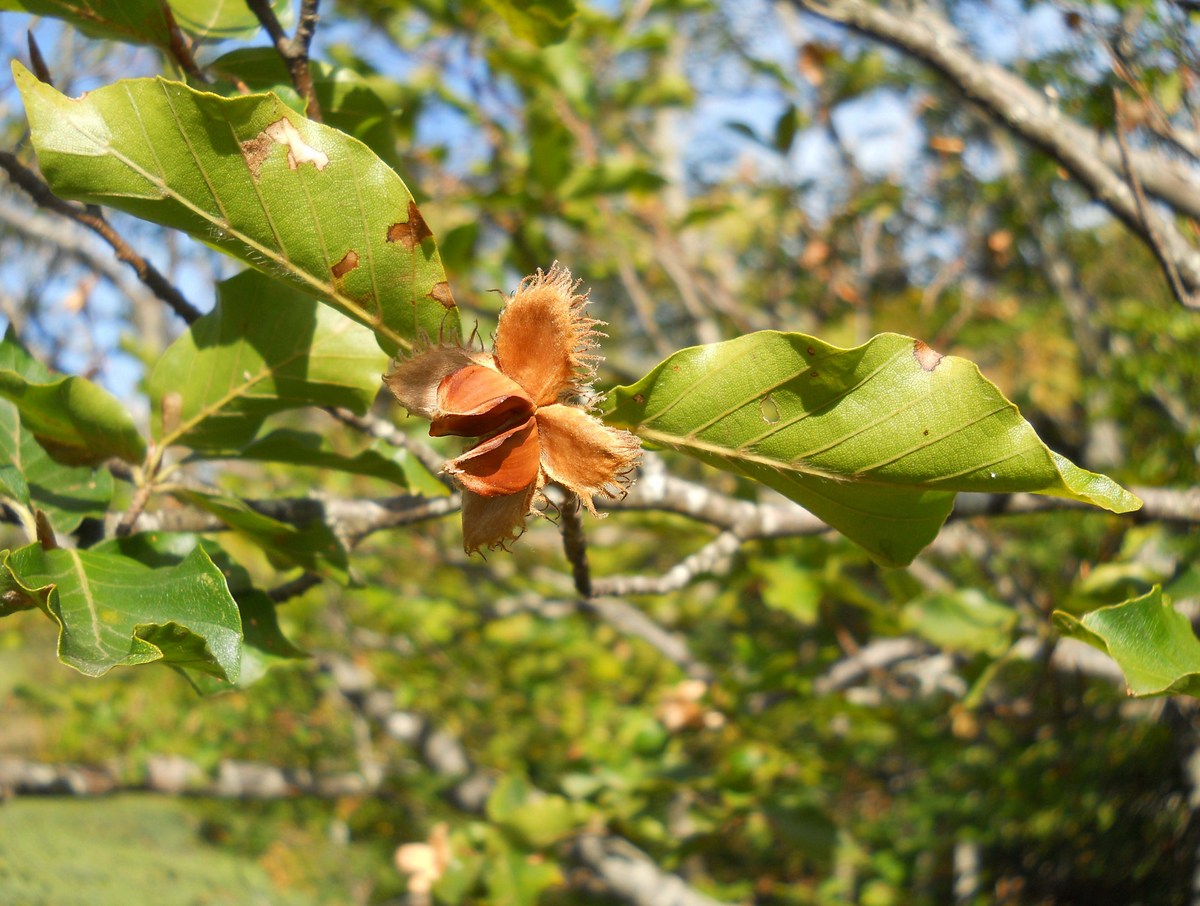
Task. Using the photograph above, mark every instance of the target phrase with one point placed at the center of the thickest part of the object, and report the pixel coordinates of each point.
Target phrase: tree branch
(924, 35)
(294, 51)
(33, 185)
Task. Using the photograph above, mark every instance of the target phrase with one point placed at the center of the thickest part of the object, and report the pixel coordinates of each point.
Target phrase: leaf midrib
(374, 321)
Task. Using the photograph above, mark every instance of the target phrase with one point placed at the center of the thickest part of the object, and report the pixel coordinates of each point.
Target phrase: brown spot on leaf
(441, 293)
(255, 151)
(926, 432)
(348, 263)
(412, 232)
(281, 132)
(811, 351)
(639, 398)
(926, 357)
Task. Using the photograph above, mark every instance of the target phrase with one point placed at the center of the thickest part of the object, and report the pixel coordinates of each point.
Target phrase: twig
(383, 430)
(146, 272)
(136, 506)
(294, 589)
(575, 545)
(708, 559)
(1165, 260)
(173, 775)
(180, 47)
(294, 51)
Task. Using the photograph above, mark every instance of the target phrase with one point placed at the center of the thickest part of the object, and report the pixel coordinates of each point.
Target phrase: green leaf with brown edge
(874, 440)
(77, 421)
(313, 547)
(306, 448)
(300, 201)
(348, 101)
(67, 494)
(132, 21)
(265, 348)
(114, 611)
(1153, 644)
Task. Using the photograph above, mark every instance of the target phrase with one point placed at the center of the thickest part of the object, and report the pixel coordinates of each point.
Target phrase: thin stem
(294, 51)
(575, 545)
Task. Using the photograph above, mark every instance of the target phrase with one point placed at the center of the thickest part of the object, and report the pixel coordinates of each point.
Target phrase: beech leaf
(874, 440)
(302, 202)
(1153, 643)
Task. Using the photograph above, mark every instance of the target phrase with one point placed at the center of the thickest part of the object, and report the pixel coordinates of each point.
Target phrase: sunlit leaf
(875, 440)
(79, 422)
(304, 448)
(304, 203)
(114, 611)
(263, 349)
(313, 546)
(135, 21)
(264, 644)
(67, 494)
(220, 20)
(1154, 645)
(962, 620)
(540, 21)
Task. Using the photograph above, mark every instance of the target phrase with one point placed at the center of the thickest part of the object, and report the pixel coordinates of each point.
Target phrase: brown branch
(575, 545)
(1165, 261)
(924, 35)
(33, 185)
(293, 589)
(180, 47)
(294, 50)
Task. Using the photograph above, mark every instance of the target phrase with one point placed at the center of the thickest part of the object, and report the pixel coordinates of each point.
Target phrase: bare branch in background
(923, 34)
(294, 50)
(33, 185)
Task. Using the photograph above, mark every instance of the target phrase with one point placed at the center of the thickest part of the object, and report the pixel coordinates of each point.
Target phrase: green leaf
(300, 201)
(114, 611)
(314, 547)
(264, 644)
(874, 440)
(67, 494)
(537, 819)
(962, 620)
(348, 101)
(1152, 643)
(785, 129)
(222, 20)
(263, 349)
(542, 22)
(13, 485)
(135, 21)
(303, 448)
(791, 588)
(77, 421)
